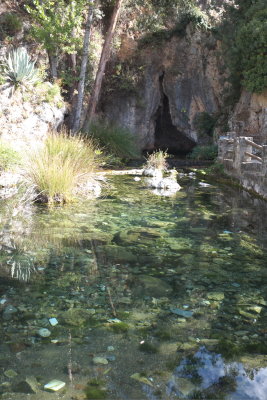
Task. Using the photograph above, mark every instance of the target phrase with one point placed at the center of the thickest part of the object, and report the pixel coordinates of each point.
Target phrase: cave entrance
(167, 136)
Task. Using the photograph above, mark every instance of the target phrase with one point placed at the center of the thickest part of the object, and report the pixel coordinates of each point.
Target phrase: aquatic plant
(60, 165)
(18, 68)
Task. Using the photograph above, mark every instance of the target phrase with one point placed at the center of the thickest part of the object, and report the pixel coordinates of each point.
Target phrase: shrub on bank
(116, 141)
(8, 157)
(208, 152)
(60, 165)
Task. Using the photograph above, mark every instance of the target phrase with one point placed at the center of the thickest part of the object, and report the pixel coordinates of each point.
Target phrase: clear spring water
(154, 297)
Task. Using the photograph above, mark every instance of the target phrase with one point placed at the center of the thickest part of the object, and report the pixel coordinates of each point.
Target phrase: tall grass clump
(63, 163)
(115, 140)
(157, 160)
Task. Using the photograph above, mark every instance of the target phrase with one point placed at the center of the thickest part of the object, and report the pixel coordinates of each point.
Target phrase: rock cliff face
(181, 79)
(249, 117)
(25, 118)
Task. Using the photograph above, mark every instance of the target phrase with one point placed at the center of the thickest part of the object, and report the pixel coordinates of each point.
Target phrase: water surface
(155, 297)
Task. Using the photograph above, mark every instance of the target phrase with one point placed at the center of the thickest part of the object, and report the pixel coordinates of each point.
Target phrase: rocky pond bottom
(136, 296)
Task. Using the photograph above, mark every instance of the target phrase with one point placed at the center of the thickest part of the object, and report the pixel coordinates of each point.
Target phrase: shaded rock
(151, 286)
(9, 311)
(137, 236)
(185, 386)
(29, 385)
(116, 253)
(77, 316)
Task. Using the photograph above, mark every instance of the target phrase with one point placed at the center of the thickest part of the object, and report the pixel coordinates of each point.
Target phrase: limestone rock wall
(184, 70)
(249, 117)
(25, 118)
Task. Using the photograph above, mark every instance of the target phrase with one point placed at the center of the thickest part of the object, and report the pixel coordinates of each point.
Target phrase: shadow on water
(176, 286)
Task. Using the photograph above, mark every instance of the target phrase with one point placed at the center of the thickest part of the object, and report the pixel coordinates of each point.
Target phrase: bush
(18, 69)
(204, 153)
(244, 35)
(10, 24)
(57, 168)
(204, 124)
(115, 140)
(8, 157)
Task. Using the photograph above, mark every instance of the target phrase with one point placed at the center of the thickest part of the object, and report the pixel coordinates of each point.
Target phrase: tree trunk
(102, 65)
(78, 101)
(53, 61)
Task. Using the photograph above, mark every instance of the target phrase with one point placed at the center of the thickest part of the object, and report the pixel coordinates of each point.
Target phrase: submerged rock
(29, 385)
(182, 313)
(100, 360)
(44, 332)
(54, 385)
(9, 311)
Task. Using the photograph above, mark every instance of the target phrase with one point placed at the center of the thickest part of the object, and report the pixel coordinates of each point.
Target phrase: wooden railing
(238, 153)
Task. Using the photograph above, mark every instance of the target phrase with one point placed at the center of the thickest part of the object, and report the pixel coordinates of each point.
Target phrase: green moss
(119, 327)
(147, 347)
(95, 390)
(163, 334)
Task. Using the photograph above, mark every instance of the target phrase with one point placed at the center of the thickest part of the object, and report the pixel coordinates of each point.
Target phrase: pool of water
(136, 296)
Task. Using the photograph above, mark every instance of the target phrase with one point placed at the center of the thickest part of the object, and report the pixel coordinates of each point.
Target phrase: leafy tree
(244, 36)
(55, 26)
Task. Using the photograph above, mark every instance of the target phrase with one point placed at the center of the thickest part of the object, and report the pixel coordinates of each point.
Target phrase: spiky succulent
(19, 69)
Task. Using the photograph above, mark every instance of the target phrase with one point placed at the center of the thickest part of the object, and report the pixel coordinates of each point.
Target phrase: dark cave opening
(167, 136)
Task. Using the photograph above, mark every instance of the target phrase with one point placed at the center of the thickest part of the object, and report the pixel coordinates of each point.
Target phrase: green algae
(119, 327)
(95, 390)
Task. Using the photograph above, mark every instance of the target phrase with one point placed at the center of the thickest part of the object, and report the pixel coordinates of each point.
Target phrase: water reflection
(205, 374)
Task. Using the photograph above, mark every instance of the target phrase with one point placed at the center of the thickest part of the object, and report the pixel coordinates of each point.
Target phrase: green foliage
(204, 124)
(10, 24)
(18, 69)
(125, 77)
(160, 20)
(244, 36)
(54, 24)
(115, 140)
(209, 152)
(157, 160)
(8, 156)
(58, 167)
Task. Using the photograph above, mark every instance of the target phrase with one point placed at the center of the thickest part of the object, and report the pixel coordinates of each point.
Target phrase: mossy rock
(95, 390)
(179, 244)
(116, 253)
(137, 236)
(119, 327)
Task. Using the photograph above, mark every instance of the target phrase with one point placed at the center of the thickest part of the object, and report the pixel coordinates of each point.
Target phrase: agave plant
(19, 69)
